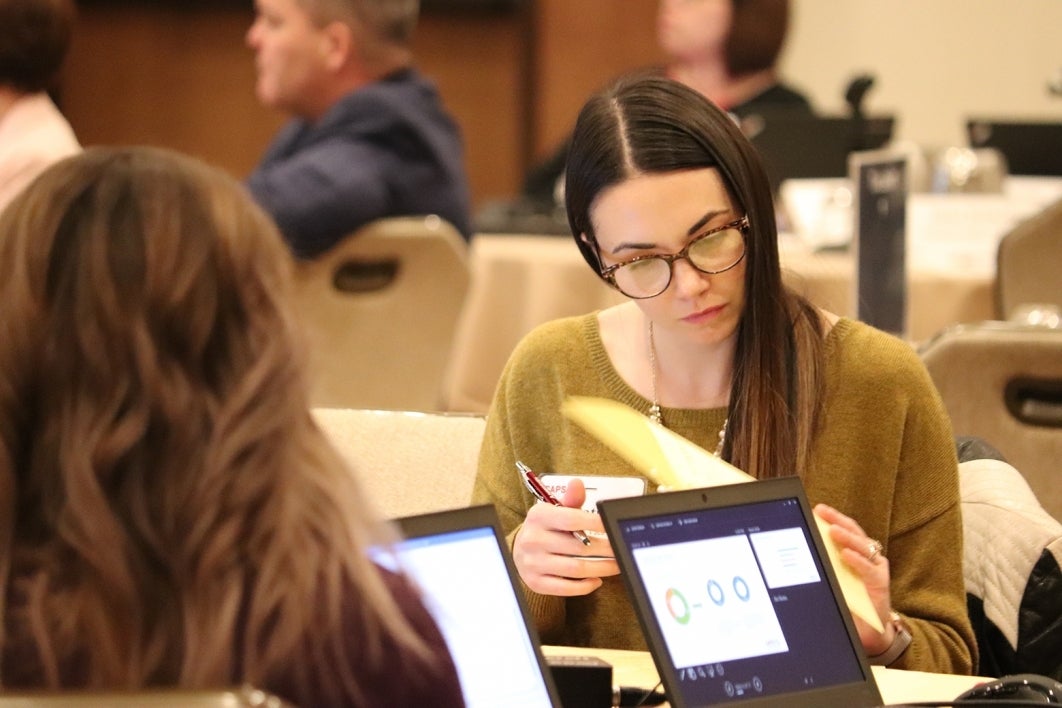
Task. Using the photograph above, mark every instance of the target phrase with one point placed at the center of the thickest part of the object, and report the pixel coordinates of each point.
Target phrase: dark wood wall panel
(581, 45)
(480, 63)
(180, 76)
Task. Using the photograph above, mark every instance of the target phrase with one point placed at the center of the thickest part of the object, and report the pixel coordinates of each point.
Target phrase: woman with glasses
(670, 205)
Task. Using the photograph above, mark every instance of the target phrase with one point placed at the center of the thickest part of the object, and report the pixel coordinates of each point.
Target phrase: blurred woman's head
(34, 39)
(142, 298)
(746, 35)
(693, 30)
(169, 512)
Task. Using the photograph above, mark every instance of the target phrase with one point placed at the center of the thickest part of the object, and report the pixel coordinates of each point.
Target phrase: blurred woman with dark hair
(727, 50)
(170, 515)
(34, 39)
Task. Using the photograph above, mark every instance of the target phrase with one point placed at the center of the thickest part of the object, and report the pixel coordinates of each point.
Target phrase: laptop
(737, 597)
(1030, 148)
(459, 559)
(807, 146)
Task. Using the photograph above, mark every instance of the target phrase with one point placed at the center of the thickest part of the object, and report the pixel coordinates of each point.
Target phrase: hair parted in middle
(648, 124)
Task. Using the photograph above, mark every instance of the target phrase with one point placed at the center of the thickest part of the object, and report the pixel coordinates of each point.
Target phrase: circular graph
(741, 588)
(715, 592)
(677, 606)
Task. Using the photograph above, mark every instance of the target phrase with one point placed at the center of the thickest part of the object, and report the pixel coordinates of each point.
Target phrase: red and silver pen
(535, 486)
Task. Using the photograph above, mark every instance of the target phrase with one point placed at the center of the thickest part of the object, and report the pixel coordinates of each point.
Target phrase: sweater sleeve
(323, 191)
(516, 426)
(886, 457)
(925, 543)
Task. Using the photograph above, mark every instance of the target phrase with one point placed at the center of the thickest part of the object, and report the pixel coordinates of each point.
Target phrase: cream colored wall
(936, 61)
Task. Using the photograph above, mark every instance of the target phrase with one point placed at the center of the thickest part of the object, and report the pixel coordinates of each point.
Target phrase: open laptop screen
(458, 560)
(802, 146)
(735, 598)
(1030, 147)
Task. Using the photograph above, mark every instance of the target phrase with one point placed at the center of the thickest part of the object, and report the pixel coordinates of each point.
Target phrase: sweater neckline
(622, 392)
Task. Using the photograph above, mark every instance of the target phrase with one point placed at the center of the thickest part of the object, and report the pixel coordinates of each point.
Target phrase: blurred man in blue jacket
(369, 138)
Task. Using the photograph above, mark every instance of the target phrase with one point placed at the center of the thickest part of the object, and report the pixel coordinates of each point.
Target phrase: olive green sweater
(884, 455)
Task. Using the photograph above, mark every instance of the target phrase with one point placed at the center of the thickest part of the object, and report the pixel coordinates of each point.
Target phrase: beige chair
(156, 698)
(408, 462)
(380, 309)
(1028, 263)
(1002, 382)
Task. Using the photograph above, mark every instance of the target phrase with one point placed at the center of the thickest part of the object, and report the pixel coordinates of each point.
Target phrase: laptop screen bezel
(615, 512)
(480, 517)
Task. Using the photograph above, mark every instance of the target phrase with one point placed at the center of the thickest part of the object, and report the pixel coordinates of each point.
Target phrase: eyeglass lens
(712, 253)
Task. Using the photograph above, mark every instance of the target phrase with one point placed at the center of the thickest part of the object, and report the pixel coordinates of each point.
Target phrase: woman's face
(688, 30)
(660, 214)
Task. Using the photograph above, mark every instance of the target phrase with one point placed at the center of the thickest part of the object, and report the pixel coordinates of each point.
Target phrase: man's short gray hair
(390, 20)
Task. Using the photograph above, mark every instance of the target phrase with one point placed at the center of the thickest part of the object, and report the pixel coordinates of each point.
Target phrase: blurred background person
(369, 138)
(34, 39)
(727, 50)
(170, 514)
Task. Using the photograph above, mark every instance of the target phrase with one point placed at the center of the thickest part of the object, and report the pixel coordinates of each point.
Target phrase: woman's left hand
(866, 557)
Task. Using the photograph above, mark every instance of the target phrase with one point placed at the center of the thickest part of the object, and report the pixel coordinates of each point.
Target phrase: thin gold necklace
(655, 414)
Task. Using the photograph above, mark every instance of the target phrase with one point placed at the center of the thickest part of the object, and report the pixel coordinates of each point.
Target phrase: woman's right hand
(552, 561)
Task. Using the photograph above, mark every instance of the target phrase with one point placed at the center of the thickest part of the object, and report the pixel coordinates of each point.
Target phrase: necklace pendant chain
(654, 409)
(655, 414)
(722, 439)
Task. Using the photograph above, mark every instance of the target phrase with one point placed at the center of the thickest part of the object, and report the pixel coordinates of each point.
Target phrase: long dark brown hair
(646, 124)
(169, 512)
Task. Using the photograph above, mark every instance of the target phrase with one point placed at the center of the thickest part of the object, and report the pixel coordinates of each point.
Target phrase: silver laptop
(460, 561)
(737, 598)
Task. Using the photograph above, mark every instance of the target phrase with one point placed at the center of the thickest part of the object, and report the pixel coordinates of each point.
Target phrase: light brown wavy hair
(169, 512)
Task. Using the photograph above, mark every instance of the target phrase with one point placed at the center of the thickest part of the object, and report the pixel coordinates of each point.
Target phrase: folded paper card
(673, 462)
